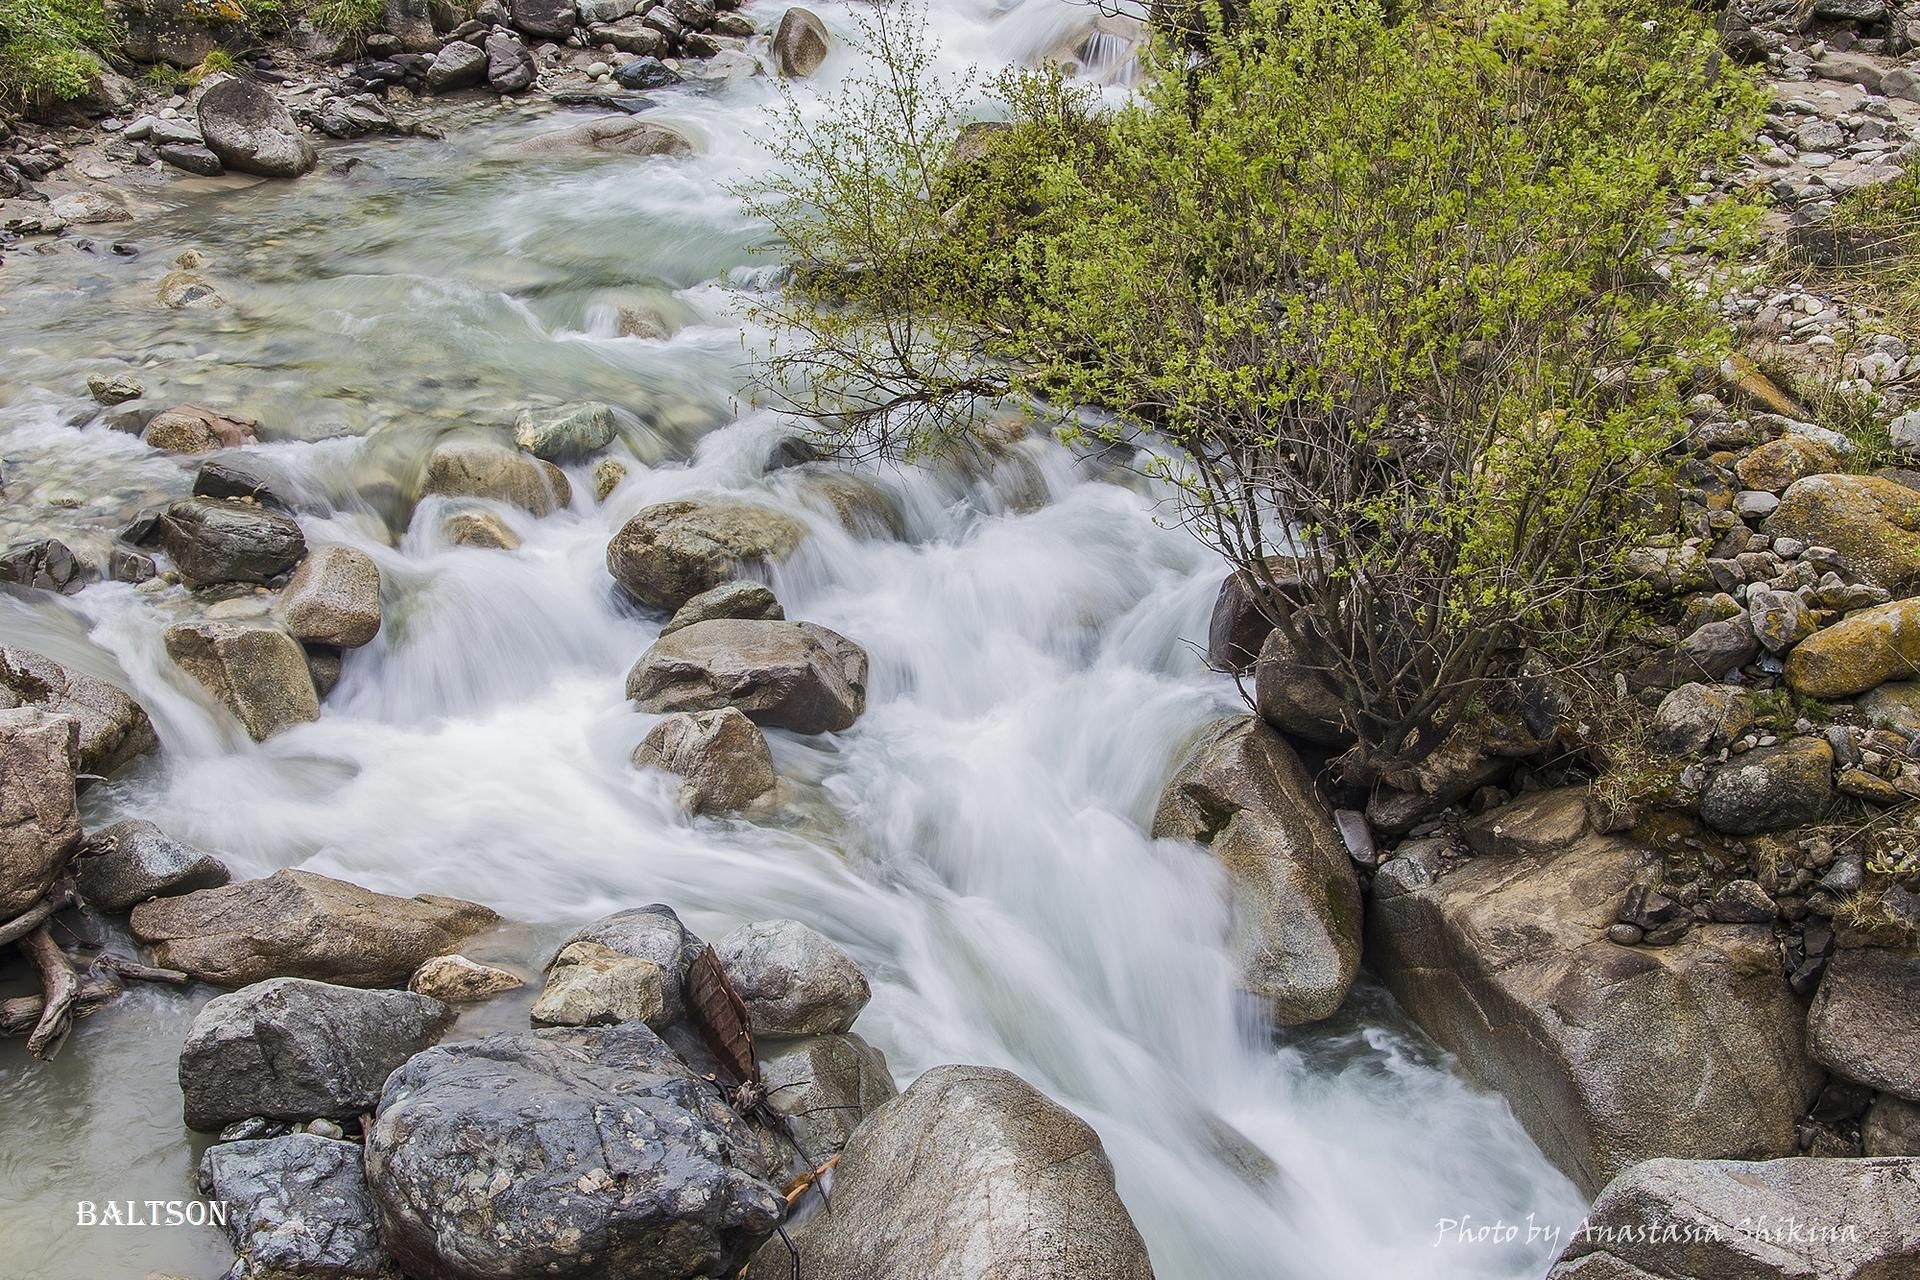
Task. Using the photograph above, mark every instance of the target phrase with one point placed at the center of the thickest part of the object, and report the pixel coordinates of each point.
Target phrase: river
(976, 842)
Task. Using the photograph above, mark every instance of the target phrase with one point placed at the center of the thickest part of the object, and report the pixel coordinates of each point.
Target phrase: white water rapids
(976, 841)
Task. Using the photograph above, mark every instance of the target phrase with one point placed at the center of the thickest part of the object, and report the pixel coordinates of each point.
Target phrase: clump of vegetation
(1882, 227)
(1384, 293)
(50, 50)
(346, 17)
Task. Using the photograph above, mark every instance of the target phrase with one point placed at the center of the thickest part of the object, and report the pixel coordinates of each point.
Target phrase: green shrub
(1395, 292)
(50, 49)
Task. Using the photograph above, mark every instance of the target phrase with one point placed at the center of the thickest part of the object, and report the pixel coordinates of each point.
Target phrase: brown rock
(113, 728)
(721, 757)
(791, 675)
(333, 598)
(258, 673)
(1294, 698)
(192, 428)
(39, 817)
(476, 469)
(1865, 1020)
(1778, 463)
(673, 551)
(1538, 822)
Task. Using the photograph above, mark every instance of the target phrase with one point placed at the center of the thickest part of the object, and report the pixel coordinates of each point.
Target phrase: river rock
(353, 116)
(1239, 627)
(645, 73)
(672, 551)
(1865, 1020)
(800, 43)
(1294, 698)
(591, 985)
(1770, 788)
(1861, 651)
(459, 980)
(476, 469)
(1608, 1054)
(243, 474)
(114, 388)
(113, 728)
(458, 65)
(333, 598)
(1873, 523)
(194, 157)
(789, 675)
(794, 981)
(721, 757)
(545, 19)
(1696, 714)
(510, 66)
(972, 1172)
(39, 815)
(630, 35)
(293, 1049)
(257, 673)
(180, 290)
(85, 208)
(649, 933)
(1735, 1220)
(825, 1086)
(298, 1209)
(131, 861)
(613, 135)
(1244, 795)
(216, 540)
(192, 428)
(740, 599)
(45, 564)
(298, 924)
(569, 432)
(477, 528)
(245, 125)
(586, 1153)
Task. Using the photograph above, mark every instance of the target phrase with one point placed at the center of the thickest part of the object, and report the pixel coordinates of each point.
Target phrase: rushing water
(976, 841)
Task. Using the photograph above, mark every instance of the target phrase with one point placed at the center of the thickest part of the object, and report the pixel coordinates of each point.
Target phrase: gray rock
(788, 675)
(1734, 1220)
(1244, 795)
(1294, 698)
(672, 551)
(825, 1086)
(510, 67)
(45, 564)
(293, 1049)
(298, 924)
(113, 728)
(259, 674)
(970, 1173)
(596, 12)
(353, 116)
(333, 598)
(630, 35)
(1770, 788)
(794, 981)
(1742, 902)
(298, 1209)
(649, 933)
(645, 73)
(720, 756)
(245, 125)
(1694, 715)
(194, 157)
(132, 861)
(546, 19)
(591, 985)
(476, 469)
(243, 474)
(458, 65)
(1608, 1054)
(114, 388)
(1717, 648)
(1780, 619)
(800, 43)
(574, 1154)
(39, 817)
(213, 541)
(738, 599)
(566, 433)
(1865, 1020)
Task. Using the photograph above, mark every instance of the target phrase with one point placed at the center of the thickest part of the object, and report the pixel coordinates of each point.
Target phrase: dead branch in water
(61, 987)
(21, 1014)
(36, 915)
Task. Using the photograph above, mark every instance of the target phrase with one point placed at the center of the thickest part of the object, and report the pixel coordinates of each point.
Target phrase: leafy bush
(1396, 294)
(49, 49)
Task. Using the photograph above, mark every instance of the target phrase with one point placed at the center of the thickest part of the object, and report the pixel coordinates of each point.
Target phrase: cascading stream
(976, 842)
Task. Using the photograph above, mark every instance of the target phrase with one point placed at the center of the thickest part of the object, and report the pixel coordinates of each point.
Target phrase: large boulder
(476, 469)
(1865, 1020)
(113, 728)
(574, 1154)
(792, 979)
(257, 673)
(1738, 1220)
(1862, 650)
(39, 816)
(1294, 697)
(298, 1209)
(825, 1086)
(673, 551)
(1770, 788)
(131, 861)
(216, 540)
(458, 65)
(294, 1049)
(298, 924)
(333, 598)
(721, 758)
(789, 675)
(971, 1173)
(648, 933)
(246, 126)
(800, 43)
(1872, 522)
(1244, 795)
(1608, 1054)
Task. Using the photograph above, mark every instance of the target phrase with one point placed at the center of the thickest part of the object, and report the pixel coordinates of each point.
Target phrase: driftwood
(36, 915)
(721, 1017)
(21, 1014)
(132, 970)
(61, 986)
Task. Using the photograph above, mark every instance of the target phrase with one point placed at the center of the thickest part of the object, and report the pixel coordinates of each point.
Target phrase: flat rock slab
(298, 924)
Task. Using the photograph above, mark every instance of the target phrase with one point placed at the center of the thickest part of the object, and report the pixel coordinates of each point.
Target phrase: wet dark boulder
(213, 541)
(130, 862)
(246, 126)
(297, 1207)
(44, 564)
